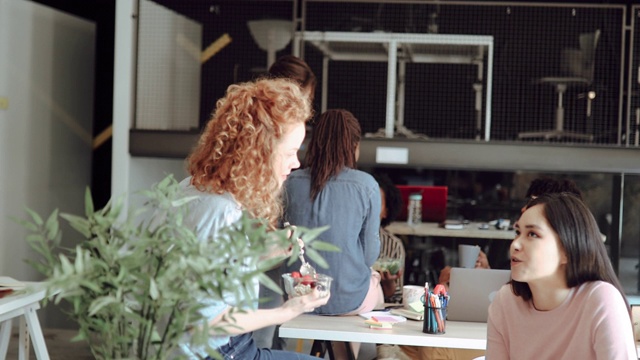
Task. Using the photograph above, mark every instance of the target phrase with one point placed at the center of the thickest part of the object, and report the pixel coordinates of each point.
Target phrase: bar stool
(579, 65)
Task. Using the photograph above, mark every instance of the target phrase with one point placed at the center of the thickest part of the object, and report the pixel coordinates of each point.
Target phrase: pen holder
(434, 319)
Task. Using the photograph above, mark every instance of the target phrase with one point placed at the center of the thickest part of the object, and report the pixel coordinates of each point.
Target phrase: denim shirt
(350, 204)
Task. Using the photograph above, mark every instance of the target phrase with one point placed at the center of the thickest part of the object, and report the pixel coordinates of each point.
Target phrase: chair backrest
(391, 247)
(581, 62)
(588, 44)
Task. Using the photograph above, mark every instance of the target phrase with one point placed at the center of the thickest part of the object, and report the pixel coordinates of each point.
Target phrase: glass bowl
(297, 285)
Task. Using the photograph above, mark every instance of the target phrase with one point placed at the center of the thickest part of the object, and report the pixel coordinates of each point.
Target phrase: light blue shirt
(207, 215)
(350, 204)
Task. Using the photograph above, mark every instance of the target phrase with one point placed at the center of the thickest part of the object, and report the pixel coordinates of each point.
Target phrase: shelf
(431, 154)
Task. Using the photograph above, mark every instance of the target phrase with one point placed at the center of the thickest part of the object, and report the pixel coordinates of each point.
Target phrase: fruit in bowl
(296, 284)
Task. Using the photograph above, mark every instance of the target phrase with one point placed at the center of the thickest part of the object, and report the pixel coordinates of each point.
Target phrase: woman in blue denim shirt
(329, 190)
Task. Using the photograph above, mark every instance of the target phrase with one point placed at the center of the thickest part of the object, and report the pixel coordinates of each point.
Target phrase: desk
(496, 254)
(460, 335)
(399, 48)
(24, 306)
(470, 231)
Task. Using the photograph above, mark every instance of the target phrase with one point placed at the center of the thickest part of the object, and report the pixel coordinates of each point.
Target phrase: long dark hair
(579, 236)
(334, 140)
(294, 68)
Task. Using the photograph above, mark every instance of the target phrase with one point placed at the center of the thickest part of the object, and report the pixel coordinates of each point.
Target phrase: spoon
(305, 268)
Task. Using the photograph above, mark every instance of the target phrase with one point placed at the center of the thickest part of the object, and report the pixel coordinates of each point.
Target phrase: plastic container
(414, 209)
(302, 285)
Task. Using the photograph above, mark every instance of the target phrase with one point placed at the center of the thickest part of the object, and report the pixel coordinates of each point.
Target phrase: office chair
(577, 67)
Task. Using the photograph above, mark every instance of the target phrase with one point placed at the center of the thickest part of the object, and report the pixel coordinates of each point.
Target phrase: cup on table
(435, 314)
(411, 295)
(467, 255)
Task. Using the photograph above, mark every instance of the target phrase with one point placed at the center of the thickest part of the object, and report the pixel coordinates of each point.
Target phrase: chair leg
(559, 131)
(560, 89)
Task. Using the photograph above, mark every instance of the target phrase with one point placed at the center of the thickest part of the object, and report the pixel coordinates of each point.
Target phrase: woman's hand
(389, 283)
(445, 275)
(482, 262)
(290, 233)
(286, 251)
(386, 275)
(306, 303)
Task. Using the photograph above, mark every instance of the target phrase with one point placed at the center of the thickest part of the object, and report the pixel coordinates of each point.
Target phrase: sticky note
(417, 306)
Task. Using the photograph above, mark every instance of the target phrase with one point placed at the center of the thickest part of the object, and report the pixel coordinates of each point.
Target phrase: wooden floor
(59, 346)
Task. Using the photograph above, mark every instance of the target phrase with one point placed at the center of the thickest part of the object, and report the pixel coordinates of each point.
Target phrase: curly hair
(236, 150)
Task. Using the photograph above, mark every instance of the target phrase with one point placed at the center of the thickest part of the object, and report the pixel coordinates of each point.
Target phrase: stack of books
(9, 285)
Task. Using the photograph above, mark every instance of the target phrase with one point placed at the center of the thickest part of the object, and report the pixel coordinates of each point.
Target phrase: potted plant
(133, 285)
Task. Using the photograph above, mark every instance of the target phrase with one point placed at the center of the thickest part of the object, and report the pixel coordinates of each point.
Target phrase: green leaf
(164, 183)
(181, 202)
(324, 246)
(131, 281)
(35, 217)
(269, 283)
(99, 303)
(267, 264)
(88, 203)
(27, 225)
(81, 336)
(311, 234)
(52, 225)
(317, 258)
(90, 285)
(153, 289)
(67, 268)
(79, 265)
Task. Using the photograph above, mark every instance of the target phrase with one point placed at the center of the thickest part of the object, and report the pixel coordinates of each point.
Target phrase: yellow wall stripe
(215, 46)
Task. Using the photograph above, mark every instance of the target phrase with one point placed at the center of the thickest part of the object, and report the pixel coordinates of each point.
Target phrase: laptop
(635, 316)
(471, 292)
(434, 201)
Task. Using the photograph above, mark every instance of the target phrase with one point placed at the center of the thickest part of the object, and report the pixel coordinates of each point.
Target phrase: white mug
(411, 294)
(468, 255)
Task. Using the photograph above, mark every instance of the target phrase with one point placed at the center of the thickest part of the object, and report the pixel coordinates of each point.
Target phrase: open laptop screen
(471, 292)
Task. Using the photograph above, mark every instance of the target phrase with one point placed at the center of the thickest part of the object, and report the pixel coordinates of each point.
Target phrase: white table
(470, 231)
(460, 335)
(23, 305)
(399, 48)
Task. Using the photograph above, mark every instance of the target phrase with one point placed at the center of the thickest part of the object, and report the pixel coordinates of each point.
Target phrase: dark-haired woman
(329, 190)
(564, 300)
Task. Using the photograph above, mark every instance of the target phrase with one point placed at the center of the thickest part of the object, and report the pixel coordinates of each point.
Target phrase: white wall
(130, 174)
(47, 74)
(146, 171)
(168, 69)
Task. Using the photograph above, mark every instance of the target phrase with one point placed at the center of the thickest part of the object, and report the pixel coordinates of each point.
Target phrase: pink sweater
(592, 323)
